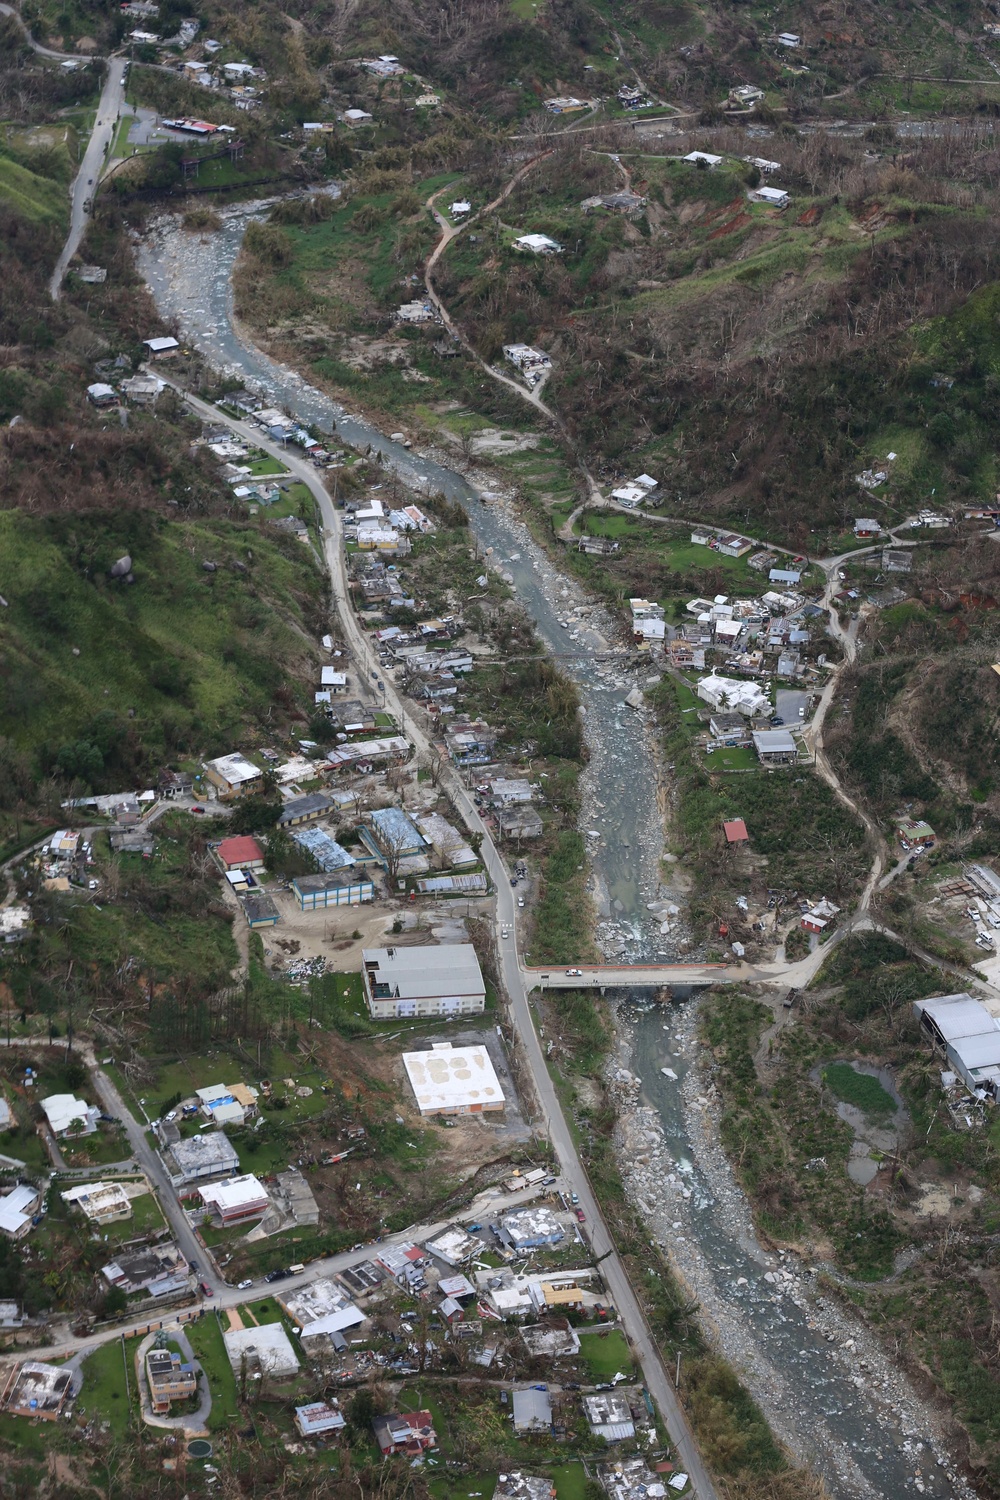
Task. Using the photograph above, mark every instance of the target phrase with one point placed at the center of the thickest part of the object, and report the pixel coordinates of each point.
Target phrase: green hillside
(103, 679)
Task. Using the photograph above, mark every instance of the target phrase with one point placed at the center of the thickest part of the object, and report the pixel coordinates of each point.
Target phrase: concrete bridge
(628, 976)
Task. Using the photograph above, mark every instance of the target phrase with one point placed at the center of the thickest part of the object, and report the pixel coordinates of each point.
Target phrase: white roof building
(609, 1416)
(16, 1209)
(64, 1112)
(776, 197)
(161, 346)
(707, 157)
(266, 1348)
(733, 694)
(537, 244)
(100, 1200)
(234, 769)
(239, 1198)
(453, 1080)
(968, 1035)
(454, 1247)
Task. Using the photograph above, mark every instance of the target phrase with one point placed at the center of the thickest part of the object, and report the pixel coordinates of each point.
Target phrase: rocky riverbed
(826, 1386)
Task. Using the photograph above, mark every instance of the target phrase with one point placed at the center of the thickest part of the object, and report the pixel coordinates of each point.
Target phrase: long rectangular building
(440, 980)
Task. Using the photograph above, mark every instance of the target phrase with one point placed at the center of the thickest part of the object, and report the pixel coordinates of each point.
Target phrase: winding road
(84, 184)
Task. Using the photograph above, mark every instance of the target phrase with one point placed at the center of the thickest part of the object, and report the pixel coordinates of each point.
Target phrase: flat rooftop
(426, 972)
(447, 1077)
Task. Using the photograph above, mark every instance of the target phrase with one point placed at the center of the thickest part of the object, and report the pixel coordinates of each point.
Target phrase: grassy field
(206, 1341)
(606, 1353)
(38, 199)
(107, 1395)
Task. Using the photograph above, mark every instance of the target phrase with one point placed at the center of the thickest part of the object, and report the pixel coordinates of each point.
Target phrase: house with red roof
(736, 831)
(241, 853)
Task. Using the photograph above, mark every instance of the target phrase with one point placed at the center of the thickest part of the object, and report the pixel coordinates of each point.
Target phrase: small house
(532, 1410)
(865, 526)
(242, 853)
(537, 244)
(916, 833)
(163, 348)
(259, 910)
(736, 831)
(411, 1433)
(772, 196)
(355, 118)
(789, 39)
(102, 395)
(707, 158)
(819, 916)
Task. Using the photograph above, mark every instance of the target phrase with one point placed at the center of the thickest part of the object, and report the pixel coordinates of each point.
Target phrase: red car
(580, 1215)
(207, 1290)
(197, 809)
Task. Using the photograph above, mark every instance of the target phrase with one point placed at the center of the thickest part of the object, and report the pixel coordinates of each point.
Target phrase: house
(440, 980)
(894, 560)
(732, 545)
(736, 831)
(68, 1116)
(420, 311)
(101, 1202)
(460, 208)
(307, 809)
(319, 1418)
(918, 835)
(241, 853)
(616, 203)
(537, 244)
(762, 164)
(731, 729)
(446, 841)
(228, 1104)
(102, 395)
(259, 910)
(17, 1206)
(333, 680)
(865, 526)
(15, 924)
(169, 1379)
(448, 1080)
(784, 575)
(163, 348)
(597, 546)
(411, 1433)
(789, 39)
(203, 1156)
(632, 97)
(819, 916)
(347, 887)
(609, 1416)
(532, 1410)
(774, 747)
(454, 1247)
(263, 1348)
(34, 1389)
(710, 160)
(384, 66)
(355, 118)
(234, 776)
(744, 96)
(733, 694)
(527, 1228)
(565, 104)
(968, 1035)
(532, 363)
(237, 1200)
(773, 197)
(321, 1308)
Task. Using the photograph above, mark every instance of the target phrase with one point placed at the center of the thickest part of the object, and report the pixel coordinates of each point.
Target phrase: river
(834, 1416)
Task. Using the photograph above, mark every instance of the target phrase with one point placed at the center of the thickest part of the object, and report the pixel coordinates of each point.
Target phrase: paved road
(85, 182)
(10, 10)
(151, 1164)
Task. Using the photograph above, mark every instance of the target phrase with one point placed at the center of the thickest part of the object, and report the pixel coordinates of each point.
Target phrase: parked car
(574, 973)
(581, 1216)
(520, 901)
(206, 1289)
(241, 1286)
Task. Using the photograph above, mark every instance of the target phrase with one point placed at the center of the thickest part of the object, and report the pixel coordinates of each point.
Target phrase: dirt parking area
(331, 933)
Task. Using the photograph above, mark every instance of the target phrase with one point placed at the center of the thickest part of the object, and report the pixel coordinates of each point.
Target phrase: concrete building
(34, 1389)
(319, 1419)
(630, 1479)
(15, 924)
(454, 1246)
(266, 1349)
(237, 1200)
(69, 1116)
(772, 196)
(311, 1304)
(201, 1157)
(233, 776)
(259, 909)
(819, 916)
(532, 1410)
(609, 1416)
(160, 1270)
(448, 844)
(733, 695)
(441, 980)
(162, 348)
(537, 244)
(448, 1080)
(101, 1202)
(348, 887)
(324, 849)
(170, 1379)
(527, 1228)
(968, 1036)
(307, 809)
(520, 1486)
